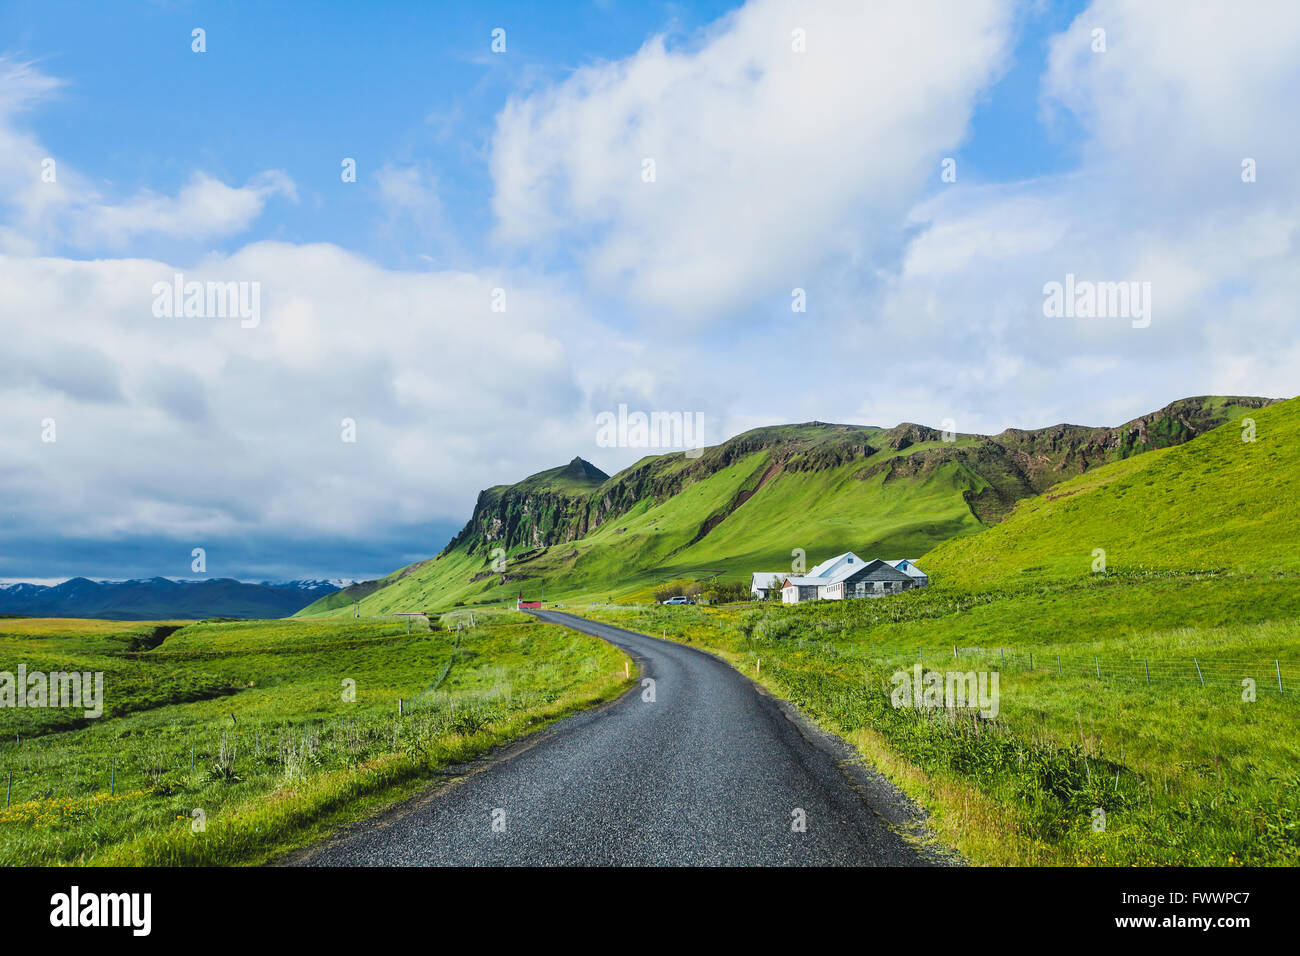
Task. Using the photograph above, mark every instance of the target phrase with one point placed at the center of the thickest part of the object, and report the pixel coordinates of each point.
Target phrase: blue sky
(297, 88)
(778, 170)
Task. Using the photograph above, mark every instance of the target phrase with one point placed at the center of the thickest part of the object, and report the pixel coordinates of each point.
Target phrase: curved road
(712, 771)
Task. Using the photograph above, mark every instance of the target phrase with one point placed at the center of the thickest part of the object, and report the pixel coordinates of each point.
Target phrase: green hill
(745, 505)
(1216, 502)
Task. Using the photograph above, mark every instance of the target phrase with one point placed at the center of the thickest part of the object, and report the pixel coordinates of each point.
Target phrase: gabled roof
(908, 567)
(836, 569)
(848, 570)
(831, 565)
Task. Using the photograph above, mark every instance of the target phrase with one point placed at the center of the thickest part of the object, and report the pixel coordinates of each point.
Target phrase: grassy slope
(829, 512)
(71, 644)
(1215, 502)
(1187, 774)
(280, 757)
(822, 512)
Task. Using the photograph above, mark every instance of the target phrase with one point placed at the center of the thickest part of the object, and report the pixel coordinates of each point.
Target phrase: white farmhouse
(848, 576)
(760, 584)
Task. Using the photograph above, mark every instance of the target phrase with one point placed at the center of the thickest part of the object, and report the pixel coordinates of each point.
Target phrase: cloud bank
(793, 147)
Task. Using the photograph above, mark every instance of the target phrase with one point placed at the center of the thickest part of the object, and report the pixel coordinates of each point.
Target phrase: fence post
(9, 791)
(112, 786)
(1147, 667)
(1031, 660)
(399, 707)
(1198, 671)
(191, 756)
(1058, 663)
(1279, 675)
(1097, 661)
(954, 652)
(1003, 652)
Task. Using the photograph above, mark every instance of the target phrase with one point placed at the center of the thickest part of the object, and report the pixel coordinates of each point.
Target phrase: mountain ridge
(755, 498)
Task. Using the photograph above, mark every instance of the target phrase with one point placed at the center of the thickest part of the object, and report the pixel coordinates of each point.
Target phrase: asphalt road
(711, 772)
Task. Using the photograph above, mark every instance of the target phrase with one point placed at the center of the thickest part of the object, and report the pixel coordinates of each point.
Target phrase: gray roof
(821, 574)
(848, 570)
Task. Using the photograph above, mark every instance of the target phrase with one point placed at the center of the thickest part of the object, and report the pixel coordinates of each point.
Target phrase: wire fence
(38, 768)
(33, 769)
(1268, 675)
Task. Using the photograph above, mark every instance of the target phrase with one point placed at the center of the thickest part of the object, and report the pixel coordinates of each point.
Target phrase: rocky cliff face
(514, 519)
(1048, 455)
(537, 512)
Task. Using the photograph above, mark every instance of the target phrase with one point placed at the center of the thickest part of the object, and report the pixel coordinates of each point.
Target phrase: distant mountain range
(758, 500)
(155, 599)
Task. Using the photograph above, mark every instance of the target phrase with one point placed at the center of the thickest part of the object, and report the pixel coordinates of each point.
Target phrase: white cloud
(204, 208)
(70, 210)
(774, 169)
(1187, 86)
(1181, 95)
(768, 162)
(409, 191)
(202, 427)
(412, 213)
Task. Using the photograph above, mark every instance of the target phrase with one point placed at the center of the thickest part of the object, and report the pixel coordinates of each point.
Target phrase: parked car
(679, 599)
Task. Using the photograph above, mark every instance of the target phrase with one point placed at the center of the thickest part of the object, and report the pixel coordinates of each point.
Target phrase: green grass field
(1123, 691)
(249, 723)
(1186, 774)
